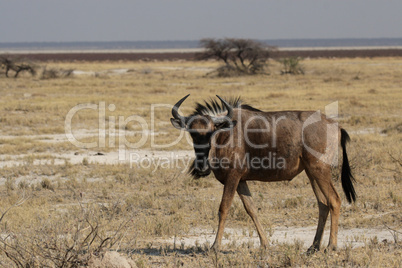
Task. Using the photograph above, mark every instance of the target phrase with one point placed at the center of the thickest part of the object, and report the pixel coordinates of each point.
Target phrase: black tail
(347, 177)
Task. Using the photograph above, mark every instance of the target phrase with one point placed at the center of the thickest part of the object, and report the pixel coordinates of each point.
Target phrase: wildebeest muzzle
(201, 166)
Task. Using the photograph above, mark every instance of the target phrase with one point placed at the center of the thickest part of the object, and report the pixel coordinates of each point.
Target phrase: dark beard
(195, 174)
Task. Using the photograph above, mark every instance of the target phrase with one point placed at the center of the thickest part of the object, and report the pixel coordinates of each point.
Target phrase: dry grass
(158, 205)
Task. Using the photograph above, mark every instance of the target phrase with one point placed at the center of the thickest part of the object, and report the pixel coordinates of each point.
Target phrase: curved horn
(175, 109)
(228, 107)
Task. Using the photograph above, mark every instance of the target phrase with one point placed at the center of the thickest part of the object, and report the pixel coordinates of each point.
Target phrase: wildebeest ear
(226, 125)
(177, 123)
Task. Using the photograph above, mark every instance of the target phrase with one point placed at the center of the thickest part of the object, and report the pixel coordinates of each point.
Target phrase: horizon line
(197, 40)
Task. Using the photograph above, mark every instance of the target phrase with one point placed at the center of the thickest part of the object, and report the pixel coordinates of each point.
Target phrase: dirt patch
(111, 259)
(355, 237)
(148, 158)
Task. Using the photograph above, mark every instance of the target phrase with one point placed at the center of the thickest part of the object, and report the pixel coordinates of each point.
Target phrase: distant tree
(17, 65)
(241, 56)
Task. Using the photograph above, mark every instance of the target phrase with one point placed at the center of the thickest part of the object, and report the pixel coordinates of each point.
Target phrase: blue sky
(124, 20)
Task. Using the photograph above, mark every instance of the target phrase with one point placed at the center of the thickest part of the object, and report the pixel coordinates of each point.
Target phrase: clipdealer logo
(112, 127)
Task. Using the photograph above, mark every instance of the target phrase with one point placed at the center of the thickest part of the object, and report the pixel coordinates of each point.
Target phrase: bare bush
(292, 65)
(68, 240)
(241, 56)
(17, 66)
(53, 73)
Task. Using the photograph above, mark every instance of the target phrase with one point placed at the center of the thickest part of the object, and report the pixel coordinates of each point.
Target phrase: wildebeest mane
(214, 108)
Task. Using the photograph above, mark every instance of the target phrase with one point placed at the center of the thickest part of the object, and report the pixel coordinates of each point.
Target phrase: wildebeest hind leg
(321, 175)
(322, 216)
(247, 200)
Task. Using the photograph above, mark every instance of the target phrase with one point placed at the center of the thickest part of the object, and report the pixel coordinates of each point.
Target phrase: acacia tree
(241, 56)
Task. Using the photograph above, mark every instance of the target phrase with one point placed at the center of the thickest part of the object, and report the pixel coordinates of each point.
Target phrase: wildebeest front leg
(229, 191)
(247, 200)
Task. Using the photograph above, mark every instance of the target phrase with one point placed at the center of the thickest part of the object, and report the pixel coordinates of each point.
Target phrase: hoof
(330, 248)
(311, 250)
(264, 244)
(215, 248)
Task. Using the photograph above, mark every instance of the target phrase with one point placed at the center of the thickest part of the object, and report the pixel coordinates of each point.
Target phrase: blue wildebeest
(239, 143)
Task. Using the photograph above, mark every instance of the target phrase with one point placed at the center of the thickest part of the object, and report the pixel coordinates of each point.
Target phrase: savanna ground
(68, 204)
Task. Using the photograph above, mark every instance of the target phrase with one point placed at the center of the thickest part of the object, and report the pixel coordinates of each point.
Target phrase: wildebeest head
(201, 128)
